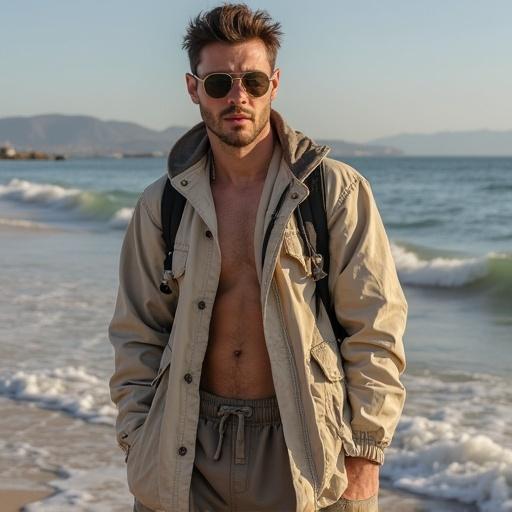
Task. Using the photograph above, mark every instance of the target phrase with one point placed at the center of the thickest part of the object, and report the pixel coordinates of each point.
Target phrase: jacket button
(209, 234)
(188, 378)
(184, 183)
(182, 451)
(201, 304)
(294, 195)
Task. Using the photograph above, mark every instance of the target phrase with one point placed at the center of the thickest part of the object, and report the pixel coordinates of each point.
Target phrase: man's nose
(237, 94)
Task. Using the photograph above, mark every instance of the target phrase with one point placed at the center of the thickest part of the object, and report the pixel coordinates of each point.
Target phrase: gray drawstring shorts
(241, 460)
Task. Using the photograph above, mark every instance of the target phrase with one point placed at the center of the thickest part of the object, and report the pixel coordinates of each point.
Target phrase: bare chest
(236, 218)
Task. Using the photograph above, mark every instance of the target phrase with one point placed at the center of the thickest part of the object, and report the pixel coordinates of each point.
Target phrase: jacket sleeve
(141, 324)
(370, 305)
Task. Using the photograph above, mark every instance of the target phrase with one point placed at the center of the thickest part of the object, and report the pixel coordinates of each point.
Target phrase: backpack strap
(313, 210)
(173, 204)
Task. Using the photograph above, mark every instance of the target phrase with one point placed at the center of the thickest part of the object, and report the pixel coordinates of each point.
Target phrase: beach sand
(12, 500)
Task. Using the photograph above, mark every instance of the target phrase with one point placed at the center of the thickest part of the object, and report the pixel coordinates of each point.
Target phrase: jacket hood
(300, 152)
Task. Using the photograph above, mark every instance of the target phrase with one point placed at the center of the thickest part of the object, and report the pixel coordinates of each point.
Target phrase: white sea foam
(454, 441)
(121, 218)
(441, 272)
(41, 193)
(84, 203)
(440, 459)
(69, 389)
(25, 224)
(100, 489)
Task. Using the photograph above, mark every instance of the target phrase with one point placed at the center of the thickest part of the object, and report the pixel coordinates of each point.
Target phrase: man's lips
(236, 118)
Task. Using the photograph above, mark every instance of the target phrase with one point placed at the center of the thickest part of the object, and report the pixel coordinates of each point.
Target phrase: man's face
(220, 114)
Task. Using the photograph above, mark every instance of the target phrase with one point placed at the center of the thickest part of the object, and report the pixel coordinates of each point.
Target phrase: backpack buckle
(318, 272)
(164, 283)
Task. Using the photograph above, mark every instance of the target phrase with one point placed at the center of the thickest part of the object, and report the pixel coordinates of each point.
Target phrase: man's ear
(275, 83)
(192, 84)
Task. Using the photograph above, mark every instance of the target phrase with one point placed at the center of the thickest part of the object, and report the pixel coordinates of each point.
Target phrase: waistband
(263, 410)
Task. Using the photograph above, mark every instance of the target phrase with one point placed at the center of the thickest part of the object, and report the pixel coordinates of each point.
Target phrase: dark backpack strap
(313, 210)
(173, 204)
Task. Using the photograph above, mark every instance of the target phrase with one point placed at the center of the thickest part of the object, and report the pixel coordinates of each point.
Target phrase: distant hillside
(470, 143)
(85, 135)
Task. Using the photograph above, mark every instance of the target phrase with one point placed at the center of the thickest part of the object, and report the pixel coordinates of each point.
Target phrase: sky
(349, 70)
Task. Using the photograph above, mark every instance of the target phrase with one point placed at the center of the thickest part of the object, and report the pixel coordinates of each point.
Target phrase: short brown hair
(231, 23)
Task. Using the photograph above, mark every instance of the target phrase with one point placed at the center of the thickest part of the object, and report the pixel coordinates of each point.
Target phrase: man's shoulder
(341, 171)
(340, 179)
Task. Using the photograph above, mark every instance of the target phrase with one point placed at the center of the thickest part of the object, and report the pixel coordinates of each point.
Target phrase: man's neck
(242, 166)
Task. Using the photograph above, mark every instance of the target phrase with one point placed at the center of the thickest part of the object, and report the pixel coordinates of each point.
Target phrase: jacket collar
(300, 152)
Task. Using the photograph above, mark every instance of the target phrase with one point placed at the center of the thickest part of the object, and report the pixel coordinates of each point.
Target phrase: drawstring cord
(242, 412)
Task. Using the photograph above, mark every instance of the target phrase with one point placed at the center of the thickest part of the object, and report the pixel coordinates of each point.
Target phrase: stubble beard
(240, 136)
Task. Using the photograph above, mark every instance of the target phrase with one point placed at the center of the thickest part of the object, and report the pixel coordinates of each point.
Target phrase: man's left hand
(363, 478)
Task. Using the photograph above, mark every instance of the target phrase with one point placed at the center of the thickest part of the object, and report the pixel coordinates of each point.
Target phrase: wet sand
(13, 500)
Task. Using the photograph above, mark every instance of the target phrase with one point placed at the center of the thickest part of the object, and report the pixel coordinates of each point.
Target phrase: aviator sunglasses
(218, 85)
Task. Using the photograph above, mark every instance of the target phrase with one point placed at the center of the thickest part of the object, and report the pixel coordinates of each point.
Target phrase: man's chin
(237, 139)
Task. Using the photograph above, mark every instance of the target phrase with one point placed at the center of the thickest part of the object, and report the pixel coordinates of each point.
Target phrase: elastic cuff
(365, 446)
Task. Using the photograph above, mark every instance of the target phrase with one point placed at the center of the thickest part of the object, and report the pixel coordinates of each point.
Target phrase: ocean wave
(70, 389)
(436, 458)
(451, 272)
(121, 218)
(41, 193)
(420, 223)
(453, 440)
(112, 207)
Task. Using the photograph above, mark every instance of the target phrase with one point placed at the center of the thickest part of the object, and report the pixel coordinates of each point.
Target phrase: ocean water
(450, 225)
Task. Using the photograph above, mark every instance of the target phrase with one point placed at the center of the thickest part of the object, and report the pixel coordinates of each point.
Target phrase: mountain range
(456, 143)
(87, 136)
(77, 135)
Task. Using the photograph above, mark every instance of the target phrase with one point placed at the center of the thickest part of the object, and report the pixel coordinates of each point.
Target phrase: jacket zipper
(296, 388)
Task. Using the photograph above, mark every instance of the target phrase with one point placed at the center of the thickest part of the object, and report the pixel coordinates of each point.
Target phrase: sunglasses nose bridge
(242, 86)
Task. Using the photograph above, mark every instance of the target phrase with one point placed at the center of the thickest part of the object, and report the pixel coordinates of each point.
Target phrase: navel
(237, 353)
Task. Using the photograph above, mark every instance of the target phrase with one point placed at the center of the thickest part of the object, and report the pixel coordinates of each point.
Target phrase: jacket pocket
(165, 362)
(323, 353)
(329, 381)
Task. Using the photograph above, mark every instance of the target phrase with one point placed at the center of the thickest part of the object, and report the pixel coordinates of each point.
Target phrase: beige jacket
(333, 401)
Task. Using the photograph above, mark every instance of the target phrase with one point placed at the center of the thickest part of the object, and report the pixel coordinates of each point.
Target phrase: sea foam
(440, 459)
(441, 272)
(84, 490)
(70, 389)
(86, 204)
(42, 193)
(121, 218)
(453, 440)
(25, 224)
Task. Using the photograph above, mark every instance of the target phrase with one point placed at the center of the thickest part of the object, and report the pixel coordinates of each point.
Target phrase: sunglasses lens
(256, 83)
(217, 85)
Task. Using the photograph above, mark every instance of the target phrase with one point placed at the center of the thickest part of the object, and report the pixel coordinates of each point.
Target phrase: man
(233, 393)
